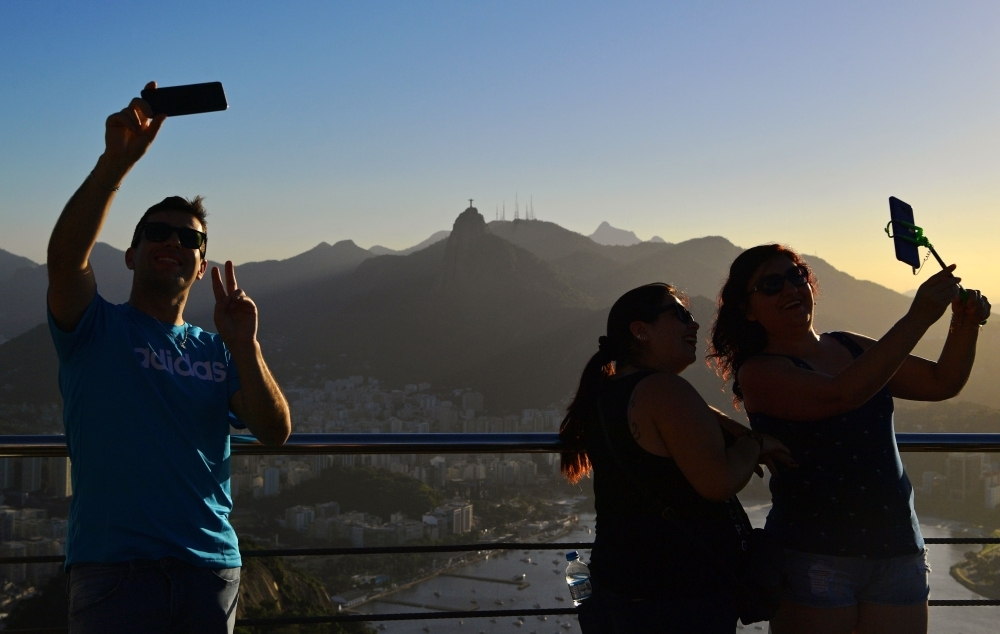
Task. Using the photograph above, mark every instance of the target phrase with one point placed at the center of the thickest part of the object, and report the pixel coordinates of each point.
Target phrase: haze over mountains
(510, 308)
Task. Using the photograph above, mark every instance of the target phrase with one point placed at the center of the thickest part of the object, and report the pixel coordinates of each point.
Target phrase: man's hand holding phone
(127, 135)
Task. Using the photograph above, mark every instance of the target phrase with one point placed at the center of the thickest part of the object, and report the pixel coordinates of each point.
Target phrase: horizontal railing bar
(426, 616)
(374, 550)
(444, 548)
(327, 444)
(962, 540)
(405, 550)
(403, 616)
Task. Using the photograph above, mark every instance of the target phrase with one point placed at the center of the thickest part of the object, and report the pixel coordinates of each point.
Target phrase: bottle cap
(571, 555)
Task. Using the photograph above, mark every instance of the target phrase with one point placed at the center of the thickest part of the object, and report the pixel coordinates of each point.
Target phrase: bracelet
(758, 437)
(104, 187)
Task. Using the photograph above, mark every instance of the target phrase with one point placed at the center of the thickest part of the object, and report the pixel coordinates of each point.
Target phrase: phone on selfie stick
(174, 101)
(907, 236)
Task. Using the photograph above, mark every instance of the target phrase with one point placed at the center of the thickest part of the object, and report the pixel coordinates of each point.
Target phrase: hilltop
(511, 309)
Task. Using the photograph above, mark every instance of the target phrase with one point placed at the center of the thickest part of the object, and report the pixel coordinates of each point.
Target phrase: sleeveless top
(849, 496)
(637, 553)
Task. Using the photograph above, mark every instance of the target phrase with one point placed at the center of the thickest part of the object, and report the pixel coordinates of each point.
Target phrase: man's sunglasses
(161, 232)
(772, 284)
(682, 314)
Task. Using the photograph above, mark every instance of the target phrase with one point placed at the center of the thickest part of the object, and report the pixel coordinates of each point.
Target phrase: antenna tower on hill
(517, 208)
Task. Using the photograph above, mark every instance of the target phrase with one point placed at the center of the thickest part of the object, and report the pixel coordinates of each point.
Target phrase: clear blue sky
(375, 121)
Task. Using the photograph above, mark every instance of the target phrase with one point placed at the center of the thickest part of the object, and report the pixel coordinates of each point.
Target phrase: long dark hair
(734, 337)
(617, 348)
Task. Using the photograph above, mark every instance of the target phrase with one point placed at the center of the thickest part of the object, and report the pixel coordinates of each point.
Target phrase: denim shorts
(826, 581)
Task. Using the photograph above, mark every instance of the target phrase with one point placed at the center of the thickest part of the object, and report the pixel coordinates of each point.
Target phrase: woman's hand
(934, 296)
(972, 312)
(772, 452)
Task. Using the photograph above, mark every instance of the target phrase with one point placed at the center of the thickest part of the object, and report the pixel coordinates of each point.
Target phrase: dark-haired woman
(653, 443)
(845, 515)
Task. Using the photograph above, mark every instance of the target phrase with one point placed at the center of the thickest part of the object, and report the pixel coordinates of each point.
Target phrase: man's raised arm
(127, 136)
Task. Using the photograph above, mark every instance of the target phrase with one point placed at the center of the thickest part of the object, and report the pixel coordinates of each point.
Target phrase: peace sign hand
(235, 313)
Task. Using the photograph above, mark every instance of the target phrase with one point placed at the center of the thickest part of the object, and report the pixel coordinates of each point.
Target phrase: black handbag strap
(668, 513)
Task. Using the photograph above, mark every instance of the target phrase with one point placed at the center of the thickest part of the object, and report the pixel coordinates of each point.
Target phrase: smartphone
(190, 99)
(900, 213)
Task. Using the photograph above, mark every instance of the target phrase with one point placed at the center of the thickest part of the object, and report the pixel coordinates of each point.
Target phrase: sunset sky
(376, 121)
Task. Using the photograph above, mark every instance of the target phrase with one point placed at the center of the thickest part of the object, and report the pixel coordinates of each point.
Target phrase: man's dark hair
(175, 203)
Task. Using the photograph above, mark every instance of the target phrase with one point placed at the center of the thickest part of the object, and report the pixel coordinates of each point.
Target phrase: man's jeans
(158, 597)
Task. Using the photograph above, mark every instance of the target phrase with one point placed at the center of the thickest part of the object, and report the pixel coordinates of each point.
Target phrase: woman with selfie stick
(854, 554)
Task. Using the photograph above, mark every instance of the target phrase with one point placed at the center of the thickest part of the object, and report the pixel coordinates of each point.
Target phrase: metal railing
(300, 444)
(438, 443)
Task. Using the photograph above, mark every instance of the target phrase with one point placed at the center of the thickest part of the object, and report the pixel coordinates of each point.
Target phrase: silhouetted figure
(854, 552)
(653, 442)
(147, 409)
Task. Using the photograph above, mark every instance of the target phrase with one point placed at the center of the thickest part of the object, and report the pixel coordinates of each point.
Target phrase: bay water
(499, 577)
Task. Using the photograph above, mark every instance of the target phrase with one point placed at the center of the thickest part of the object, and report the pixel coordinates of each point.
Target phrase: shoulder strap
(845, 340)
(797, 361)
(668, 513)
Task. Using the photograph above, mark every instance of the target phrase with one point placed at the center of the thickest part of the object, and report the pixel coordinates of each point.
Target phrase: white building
(60, 482)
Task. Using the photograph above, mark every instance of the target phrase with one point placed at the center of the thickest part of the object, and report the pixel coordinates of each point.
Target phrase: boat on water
(437, 594)
(519, 577)
(560, 599)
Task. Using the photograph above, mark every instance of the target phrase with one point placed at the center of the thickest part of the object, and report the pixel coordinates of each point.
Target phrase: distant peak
(612, 236)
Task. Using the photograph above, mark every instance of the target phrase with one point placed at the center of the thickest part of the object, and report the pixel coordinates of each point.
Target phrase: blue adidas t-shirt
(147, 426)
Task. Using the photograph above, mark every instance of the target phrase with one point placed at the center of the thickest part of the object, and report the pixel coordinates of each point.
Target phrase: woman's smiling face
(670, 343)
(791, 307)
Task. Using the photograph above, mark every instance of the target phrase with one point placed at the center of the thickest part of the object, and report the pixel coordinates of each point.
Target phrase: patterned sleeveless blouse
(849, 496)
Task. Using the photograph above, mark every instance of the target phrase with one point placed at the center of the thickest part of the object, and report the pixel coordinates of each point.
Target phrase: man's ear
(130, 258)
(201, 269)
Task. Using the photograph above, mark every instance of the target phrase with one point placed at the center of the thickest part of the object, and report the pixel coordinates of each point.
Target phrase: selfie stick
(921, 240)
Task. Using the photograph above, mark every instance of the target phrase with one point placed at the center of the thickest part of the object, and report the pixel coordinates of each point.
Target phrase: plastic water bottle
(577, 578)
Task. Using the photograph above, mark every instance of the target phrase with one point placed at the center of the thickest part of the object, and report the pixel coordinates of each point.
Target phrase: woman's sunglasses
(161, 232)
(772, 284)
(682, 314)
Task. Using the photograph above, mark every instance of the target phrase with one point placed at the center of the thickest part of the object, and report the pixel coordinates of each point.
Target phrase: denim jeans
(155, 597)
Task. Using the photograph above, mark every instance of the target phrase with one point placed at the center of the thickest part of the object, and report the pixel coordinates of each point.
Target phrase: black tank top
(637, 553)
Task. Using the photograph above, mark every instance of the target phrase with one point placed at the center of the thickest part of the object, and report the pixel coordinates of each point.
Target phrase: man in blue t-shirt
(148, 399)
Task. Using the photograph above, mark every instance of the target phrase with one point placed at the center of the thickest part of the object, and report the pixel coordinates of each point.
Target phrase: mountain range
(510, 308)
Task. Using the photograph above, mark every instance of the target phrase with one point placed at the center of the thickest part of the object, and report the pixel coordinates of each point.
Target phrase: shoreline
(465, 560)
